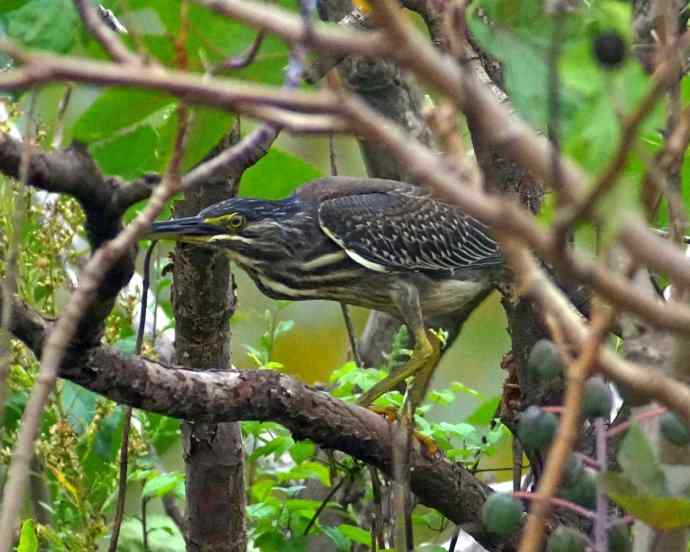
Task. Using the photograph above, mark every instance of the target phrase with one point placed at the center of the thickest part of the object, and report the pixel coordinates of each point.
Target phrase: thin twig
(144, 524)
(228, 94)
(324, 504)
(558, 502)
(290, 26)
(126, 426)
(646, 415)
(245, 59)
(354, 349)
(122, 481)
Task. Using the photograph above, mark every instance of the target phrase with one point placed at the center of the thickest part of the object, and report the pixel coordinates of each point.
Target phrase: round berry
(596, 401)
(572, 471)
(502, 514)
(674, 429)
(544, 363)
(582, 492)
(536, 428)
(609, 49)
(565, 539)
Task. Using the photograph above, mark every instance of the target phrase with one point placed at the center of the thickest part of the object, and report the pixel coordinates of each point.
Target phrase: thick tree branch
(268, 395)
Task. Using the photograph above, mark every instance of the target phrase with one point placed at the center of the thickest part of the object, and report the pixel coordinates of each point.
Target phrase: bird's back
(389, 226)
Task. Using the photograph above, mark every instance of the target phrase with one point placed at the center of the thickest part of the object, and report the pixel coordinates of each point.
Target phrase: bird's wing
(395, 231)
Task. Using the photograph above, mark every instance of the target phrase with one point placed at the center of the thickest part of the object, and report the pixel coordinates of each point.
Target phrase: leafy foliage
(130, 132)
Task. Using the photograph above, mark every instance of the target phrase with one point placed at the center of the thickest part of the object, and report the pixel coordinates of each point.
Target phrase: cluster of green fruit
(502, 516)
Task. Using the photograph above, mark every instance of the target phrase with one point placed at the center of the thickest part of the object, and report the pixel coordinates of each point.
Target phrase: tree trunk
(203, 301)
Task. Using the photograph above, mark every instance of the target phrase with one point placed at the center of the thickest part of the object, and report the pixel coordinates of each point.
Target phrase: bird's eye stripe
(233, 220)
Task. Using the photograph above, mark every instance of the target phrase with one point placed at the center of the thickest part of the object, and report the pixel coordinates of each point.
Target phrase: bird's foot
(420, 367)
(428, 446)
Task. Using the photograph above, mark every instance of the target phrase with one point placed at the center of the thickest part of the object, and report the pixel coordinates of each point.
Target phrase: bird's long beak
(187, 229)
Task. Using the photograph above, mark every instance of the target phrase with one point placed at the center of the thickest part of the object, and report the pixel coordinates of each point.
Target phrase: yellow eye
(236, 221)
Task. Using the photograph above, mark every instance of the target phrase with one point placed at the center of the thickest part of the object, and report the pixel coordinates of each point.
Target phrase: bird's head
(242, 225)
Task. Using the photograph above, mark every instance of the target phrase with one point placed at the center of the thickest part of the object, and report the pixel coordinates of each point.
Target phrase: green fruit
(582, 492)
(544, 363)
(573, 471)
(502, 514)
(619, 538)
(674, 429)
(536, 428)
(596, 401)
(565, 539)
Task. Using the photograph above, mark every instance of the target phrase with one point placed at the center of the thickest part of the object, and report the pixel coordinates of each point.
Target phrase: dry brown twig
(231, 95)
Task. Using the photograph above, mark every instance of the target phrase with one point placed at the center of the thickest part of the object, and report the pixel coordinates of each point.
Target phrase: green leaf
(461, 430)
(135, 152)
(275, 446)
(79, 404)
(45, 24)
(269, 541)
(262, 510)
(116, 109)
(28, 540)
(283, 327)
(302, 450)
(295, 544)
(485, 413)
(127, 344)
(341, 542)
(107, 440)
(639, 463)
(356, 534)
(276, 176)
(309, 470)
(347, 368)
(459, 387)
(442, 396)
(661, 512)
(296, 504)
(162, 431)
(208, 126)
(10, 5)
(162, 484)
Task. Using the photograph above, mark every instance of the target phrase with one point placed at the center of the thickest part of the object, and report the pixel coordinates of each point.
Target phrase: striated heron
(374, 243)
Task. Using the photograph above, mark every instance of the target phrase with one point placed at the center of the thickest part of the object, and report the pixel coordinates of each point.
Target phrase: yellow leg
(420, 366)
